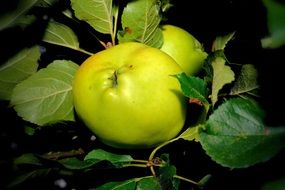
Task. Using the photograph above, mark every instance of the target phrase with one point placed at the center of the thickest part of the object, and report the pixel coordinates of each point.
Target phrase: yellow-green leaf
(140, 21)
(222, 75)
(97, 13)
(16, 69)
(60, 34)
(190, 134)
(46, 96)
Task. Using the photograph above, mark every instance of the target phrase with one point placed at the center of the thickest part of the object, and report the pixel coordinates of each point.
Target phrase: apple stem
(156, 149)
(113, 35)
(84, 51)
(186, 179)
(140, 161)
(114, 78)
(145, 163)
(135, 165)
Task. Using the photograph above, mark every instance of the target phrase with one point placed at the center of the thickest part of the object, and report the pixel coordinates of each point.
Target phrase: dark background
(205, 19)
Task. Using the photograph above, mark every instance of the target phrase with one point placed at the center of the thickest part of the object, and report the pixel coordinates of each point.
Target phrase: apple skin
(128, 97)
(184, 48)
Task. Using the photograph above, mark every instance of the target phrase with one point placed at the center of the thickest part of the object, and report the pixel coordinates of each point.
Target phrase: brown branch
(64, 154)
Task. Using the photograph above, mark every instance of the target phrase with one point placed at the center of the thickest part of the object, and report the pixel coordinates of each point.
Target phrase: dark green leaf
(235, 136)
(166, 174)
(46, 96)
(166, 178)
(8, 19)
(16, 69)
(94, 157)
(278, 184)
(29, 175)
(246, 82)
(29, 130)
(165, 159)
(103, 155)
(97, 13)
(196, 90)
(143, 183)
(222, 75)
(77, 164)
(25, 21)
(27, 158)
(204, 180)
(193, 87)
(46, 3)
(140, 22)
(275, 23)
(148, 184)
(122, 185)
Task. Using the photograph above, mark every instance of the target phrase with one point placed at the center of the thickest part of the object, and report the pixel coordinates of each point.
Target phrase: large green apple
(128, 97)
(184, 48)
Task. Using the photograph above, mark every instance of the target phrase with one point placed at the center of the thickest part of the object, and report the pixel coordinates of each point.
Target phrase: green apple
(184, 48)
(128, 97)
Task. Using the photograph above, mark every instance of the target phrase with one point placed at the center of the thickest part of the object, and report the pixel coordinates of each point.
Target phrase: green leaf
(61, 35)
(246, 81)
(190, 134)
(277, 184)
(29, 130)
(208, 68)
(46, 96)
(46, 3)
(16, 69)
(68, 13)
(221, 42)
(143, 183)
(275, 23)
(27, 158)
(103, 155)
(8, 19)
(140, 22)
(18, 179)
(97, 13)
(204, 181)
(166, 5)
(122, 185)
(148, 183)
(196, 90)
(193, 87)
(235, 136)
(222, 75)
(25, 21)
(77, 164)
(94, 157)
(166, 177)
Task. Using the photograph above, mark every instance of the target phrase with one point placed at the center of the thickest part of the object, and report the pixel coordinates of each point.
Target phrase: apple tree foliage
(230, 127)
